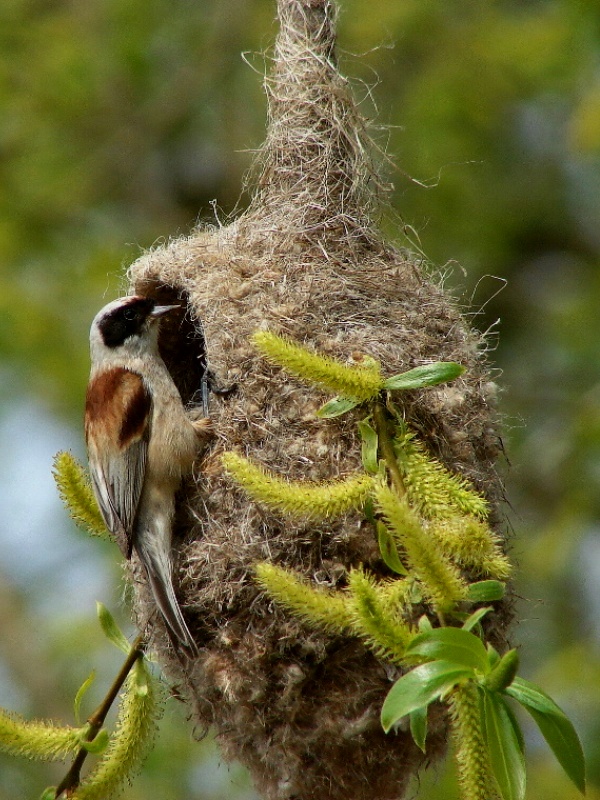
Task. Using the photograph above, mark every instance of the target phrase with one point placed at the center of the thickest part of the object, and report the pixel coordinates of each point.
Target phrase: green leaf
(369, 511)
(369, 447)
(419, 687)
(505, 749)
(503, 672)
(493, 655)
(141, 678)
(451, 644)
(389, 551)
(337, 406)
(475, 618)
(486, 591)
(81, 692)
(111, 629)
(559, 733)
(98, 744)
(555, 726)
(424, 624)
(415, 595)
(387, 545)
(531, 696)
(418, 726)
(427, 375)
(516, 726)
(49, 793)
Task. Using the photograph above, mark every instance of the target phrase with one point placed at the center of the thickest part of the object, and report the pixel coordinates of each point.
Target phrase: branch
(386, 444)
(72, 779)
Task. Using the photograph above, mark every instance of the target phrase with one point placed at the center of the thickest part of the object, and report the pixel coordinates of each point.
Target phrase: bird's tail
(159, 571)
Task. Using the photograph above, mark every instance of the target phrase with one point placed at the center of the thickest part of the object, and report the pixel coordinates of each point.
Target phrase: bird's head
(127, 326)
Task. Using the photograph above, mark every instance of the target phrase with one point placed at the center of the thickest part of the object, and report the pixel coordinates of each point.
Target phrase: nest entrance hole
(181, 340)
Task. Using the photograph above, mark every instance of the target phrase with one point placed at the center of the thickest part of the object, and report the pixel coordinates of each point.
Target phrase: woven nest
(300, 708)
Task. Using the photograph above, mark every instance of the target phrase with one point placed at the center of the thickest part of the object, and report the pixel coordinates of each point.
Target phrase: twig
(73, 777)
(386, 444)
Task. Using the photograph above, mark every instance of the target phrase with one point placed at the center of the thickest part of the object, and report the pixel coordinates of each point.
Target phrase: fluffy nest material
(300, 708)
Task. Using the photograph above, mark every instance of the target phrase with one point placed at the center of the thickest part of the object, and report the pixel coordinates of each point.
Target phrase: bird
(141, 443)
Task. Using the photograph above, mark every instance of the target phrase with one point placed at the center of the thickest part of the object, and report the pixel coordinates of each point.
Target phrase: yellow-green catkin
(359, 382)
(434, 491)
(301, 499)
(470, 543)
(396, 596)
(440, 580)
(387, 634)
(76, 492)
(318, 606)
(38, 739)
(139, 711)
(473, 768)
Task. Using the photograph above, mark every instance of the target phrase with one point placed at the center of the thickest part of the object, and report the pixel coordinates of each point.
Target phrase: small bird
(141, 443)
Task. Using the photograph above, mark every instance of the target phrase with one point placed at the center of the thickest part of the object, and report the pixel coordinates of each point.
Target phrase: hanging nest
(300, 708)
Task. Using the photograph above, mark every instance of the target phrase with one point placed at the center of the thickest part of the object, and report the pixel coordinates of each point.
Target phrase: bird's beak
(160, 311)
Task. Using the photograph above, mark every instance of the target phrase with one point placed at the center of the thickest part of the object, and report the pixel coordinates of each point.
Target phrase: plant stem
(386, 445)
(95, 721)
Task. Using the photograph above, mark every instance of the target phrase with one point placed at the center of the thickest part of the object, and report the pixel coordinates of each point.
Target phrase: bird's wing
(117, 430)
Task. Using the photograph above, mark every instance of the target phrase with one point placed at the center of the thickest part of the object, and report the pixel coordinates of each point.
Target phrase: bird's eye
(129, 314)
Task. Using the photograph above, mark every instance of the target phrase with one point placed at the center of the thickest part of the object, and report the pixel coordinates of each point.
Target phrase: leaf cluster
(456, 666)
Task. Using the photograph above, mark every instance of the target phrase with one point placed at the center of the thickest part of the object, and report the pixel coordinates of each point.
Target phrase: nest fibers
(300, 708)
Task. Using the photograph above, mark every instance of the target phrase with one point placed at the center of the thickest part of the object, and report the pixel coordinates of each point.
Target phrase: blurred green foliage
(121, 122)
